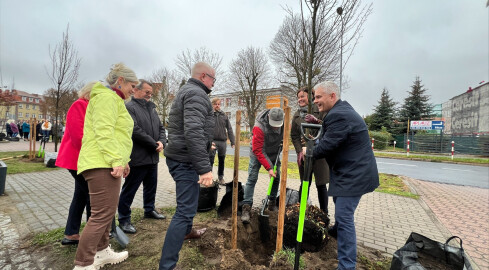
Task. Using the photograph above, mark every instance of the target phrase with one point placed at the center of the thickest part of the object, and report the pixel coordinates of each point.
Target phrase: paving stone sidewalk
(39, 202)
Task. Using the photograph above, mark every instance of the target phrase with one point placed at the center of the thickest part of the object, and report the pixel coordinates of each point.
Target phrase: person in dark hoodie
(265, 143)
(222, 131)
(149, 140)
(190, 132)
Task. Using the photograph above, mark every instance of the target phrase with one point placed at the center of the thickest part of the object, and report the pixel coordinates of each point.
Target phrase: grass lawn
(23, 164)
(391, 184)
(422, 157)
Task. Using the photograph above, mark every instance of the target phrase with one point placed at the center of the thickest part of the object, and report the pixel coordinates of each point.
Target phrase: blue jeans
(253, 170)
(345, 225)
(187, 193)
(146, 174)
(81, 200)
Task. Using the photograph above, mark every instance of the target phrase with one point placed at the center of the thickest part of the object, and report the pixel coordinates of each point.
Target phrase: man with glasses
(190, 132)
(149, 139)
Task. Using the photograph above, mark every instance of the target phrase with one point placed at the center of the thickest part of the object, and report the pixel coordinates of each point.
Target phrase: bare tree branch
(165, 86)
(65, 64)
(250, 72)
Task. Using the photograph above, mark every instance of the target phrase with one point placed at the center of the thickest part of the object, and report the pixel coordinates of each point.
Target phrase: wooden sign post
(234, 231)
(283, 178)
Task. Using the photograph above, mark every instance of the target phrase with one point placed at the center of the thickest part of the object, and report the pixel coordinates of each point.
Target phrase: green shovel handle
(271, 181)
(302, 210)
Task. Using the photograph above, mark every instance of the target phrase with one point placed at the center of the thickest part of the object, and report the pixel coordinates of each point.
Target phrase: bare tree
(250, 72)
(165, 86)
(64, 102)
(63, 74)
(307, 47)
(186, 60)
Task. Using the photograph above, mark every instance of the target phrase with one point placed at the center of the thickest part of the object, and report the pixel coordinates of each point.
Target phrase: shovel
(305, 186)
(119, 235)
(262, 218)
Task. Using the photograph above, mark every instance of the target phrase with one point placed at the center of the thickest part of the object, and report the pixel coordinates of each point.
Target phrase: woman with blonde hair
(103, 161)
(68, 159)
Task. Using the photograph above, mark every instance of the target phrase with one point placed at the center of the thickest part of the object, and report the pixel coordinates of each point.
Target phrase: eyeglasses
(214, 79)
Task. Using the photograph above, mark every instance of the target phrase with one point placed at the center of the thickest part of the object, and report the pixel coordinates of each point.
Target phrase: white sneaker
(89, 267)
(107, 256)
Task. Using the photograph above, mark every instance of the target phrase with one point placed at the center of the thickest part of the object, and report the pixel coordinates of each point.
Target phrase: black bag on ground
(227, 201)
(207, 198)
(292, 196)
(420, 253)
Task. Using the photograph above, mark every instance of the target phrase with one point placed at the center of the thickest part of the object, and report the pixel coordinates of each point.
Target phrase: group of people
(42, 129)
(13, 130)
(342, 157)
(107, 139)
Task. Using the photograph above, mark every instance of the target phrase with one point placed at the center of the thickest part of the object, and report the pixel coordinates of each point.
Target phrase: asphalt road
(466, 175)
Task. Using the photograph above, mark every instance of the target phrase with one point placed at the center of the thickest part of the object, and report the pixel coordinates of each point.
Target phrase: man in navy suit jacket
(345, 144)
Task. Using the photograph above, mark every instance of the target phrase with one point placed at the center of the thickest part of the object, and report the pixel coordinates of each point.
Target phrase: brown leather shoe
(195, 234)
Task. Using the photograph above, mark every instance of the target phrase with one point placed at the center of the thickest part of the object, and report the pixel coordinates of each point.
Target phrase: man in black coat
(222, 131)
(148, 139)
(190, 132)
(346, 146)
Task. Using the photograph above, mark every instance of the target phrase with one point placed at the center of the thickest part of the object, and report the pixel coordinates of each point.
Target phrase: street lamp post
(340, 12)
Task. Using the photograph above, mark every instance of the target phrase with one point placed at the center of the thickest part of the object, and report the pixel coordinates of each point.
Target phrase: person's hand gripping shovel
(305, 185)
(264, 222)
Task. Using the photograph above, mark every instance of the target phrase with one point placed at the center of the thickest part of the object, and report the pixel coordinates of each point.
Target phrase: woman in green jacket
(103, 161)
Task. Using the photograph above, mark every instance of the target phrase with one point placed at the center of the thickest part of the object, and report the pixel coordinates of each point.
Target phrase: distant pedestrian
(46, 129)
(26, 128)
(222, 131)
(68, 159)
(190, 130)
(103, 161)
(8, 129)
(15, 129)
(38, 130)
(345, 144)
(149, 140)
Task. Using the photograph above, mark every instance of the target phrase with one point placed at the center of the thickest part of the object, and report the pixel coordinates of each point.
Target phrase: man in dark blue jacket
(346, 146)
(148, 139)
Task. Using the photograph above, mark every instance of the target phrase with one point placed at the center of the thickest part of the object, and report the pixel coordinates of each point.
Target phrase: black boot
(323, 198)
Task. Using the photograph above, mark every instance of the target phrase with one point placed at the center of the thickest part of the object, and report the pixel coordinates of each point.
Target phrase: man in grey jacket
(190, 131)
(148, 139)
(222, 131)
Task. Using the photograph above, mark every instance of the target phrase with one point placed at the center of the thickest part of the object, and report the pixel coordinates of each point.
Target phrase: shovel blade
(121, 237)
(264, 226)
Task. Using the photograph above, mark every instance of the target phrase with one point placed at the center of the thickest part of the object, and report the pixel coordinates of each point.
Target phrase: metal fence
(442, 143)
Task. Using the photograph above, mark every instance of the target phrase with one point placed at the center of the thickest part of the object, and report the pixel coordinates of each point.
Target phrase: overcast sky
(444, 42)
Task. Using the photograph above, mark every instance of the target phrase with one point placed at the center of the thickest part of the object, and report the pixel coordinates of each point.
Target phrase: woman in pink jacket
(68, 159)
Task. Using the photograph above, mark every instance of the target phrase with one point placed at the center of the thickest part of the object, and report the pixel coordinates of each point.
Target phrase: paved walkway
(38, 202)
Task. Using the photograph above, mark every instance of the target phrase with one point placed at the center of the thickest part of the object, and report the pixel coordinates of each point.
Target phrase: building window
(37, 100)
(27, 115)
(228, 114)
(40, 116)
(228, 102)
(20, 114)
(31, 99)
(24, 98)
(21, 106)
(33, 115)
(27, 106)
(33, 107)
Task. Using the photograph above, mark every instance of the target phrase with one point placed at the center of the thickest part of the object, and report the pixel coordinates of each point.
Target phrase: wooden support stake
(234, 231)
(32, 139)
(283, 178)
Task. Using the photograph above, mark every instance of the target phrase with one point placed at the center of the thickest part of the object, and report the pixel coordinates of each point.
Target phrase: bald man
(190, 134)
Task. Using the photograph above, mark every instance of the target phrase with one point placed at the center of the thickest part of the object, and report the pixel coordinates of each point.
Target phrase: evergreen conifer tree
(416, 106)
(384, 113)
